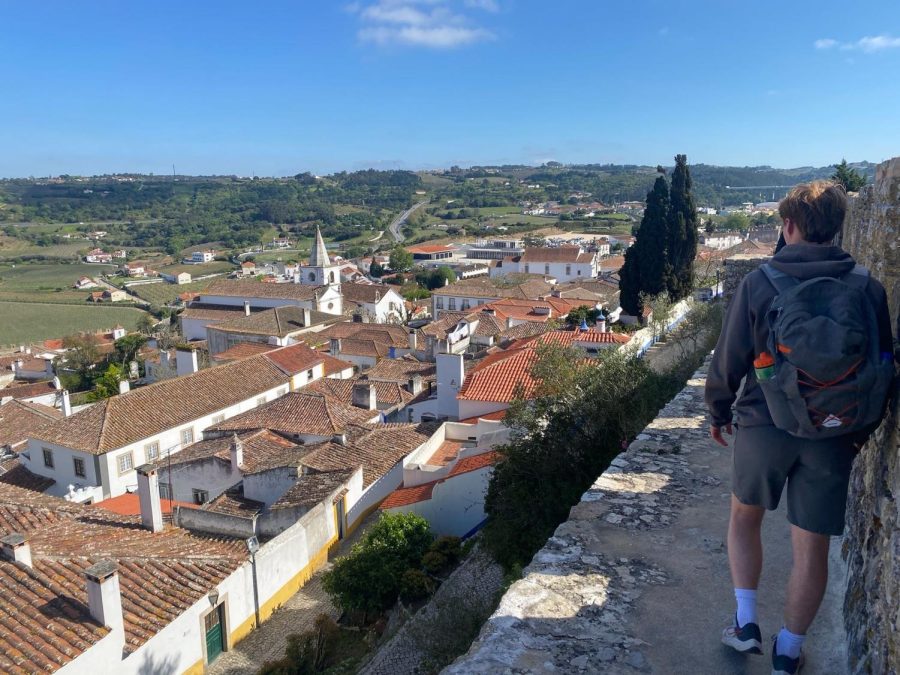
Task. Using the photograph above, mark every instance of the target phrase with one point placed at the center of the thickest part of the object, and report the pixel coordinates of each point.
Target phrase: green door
(213, 622)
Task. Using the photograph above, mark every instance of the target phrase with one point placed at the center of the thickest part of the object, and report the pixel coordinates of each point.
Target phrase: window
(200, 496)
(126, 462)
(218, 418)
(79, 466)
(579, 272)
(526, 268)
(165, 491)
(261, 400)
(465, 303)
(452, 304)
(152, 451)
(187, 436)
(568, 270)
(48, 457)
(546, 269)
(440, 303)
(309, 374)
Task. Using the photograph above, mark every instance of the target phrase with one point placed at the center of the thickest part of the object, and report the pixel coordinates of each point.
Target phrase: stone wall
(736, 268)
(872, 539)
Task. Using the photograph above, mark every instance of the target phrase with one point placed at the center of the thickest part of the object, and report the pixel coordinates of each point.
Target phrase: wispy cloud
(437, 24)
(868, 44)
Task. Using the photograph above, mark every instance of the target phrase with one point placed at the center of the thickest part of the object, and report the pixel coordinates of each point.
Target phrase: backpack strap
(778, 279)
(858, 277)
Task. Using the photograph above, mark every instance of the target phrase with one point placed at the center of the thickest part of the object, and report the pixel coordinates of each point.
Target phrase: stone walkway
(297, 615)
(636, 581)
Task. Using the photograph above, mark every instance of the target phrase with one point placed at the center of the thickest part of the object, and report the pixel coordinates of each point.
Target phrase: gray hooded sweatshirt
(745, 333)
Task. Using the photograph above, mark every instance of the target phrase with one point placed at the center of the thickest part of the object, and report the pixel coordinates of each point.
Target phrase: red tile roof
(242, 350)
(562, 254)
(419, 493)
(500, 376)
(20, 419)
(24, 391)
(129, 504)
(474, 463)
(433, 248)
(493, 416)
(334, 366)
(13, 473)
(249, 288)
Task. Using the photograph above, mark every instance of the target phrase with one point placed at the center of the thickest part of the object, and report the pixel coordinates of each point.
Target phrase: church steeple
(319, 255)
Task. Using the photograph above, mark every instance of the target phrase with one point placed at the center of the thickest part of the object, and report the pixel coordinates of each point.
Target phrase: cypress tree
(682, 232)
(645, 269)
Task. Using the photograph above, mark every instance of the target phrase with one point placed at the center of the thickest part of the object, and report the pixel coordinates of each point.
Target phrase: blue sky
(275, 88)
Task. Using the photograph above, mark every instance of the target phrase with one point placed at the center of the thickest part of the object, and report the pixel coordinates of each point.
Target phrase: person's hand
(716, 433)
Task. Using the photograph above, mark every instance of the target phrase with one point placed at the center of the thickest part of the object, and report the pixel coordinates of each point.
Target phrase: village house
(248, 268)
(472, 293)
(92, 454)
(84, 282)
(136, 268)
(375, 303)
(198, 257)
(279, 326)
(364, 344)
(179, 278)
(21, 419)
(430, 252)
(722, 240)
(97, 255)
(565, 263)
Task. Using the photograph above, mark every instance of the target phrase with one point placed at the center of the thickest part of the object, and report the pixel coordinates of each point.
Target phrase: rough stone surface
(472, 589)
(637, 581)
(736, 268)
(872, 540)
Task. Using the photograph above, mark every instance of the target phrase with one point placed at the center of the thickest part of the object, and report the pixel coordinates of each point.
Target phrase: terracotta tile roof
(129, 504)
(493, 416)
(419, 493)
(445, 453)
(312, 488)
(525, 330)
(233, 503)
(242, 350)
(569, 338)
(44, 610)
(614, 262)
(370, 348)
(401, 370)
(368, 293)
(377, 448)
(262, 450)
(12, 472)
(500, 376)
(483, 287)
(279, 321)
(562, 254)
(298, 412)
(386, 393)
(146, 411)
(431, 248)
(409, 495)
(23, 391)
(475, 462)
(334, 366)
(389, 334)
(204, 311)
(20, 419)
(249, 288)
(294, 359)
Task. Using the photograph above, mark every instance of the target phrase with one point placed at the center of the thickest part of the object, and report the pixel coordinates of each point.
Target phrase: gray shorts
(817, 475)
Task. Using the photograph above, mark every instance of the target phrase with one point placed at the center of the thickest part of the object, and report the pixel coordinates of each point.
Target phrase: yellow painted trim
(196, 669)
(283, 594)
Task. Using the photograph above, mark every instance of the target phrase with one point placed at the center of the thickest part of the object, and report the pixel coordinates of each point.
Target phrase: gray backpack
(830, 378)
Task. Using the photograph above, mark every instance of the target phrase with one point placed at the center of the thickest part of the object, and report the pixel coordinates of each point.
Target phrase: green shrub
(434, 562)
(450, 547)
(415, 585)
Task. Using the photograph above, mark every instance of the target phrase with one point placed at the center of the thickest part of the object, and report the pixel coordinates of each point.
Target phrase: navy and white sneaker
(784, 665)
(745, 639)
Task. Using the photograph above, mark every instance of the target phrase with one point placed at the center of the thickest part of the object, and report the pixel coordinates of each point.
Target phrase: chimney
(186, 362)
(17, 548)
(335, 346)
(148, 495)
(415, 385)
(340, 439)
(17, 366)
(237, 453)
(307, 317)
(21, 349)
(364, 396)
(490, 311)
(104, 595)
(124, 387)
(66, 403)
(246, 308)
(392, 352)
(601, 324)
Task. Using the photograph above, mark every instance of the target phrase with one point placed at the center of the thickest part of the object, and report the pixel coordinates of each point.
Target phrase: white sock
(746, 605)
(789, 643)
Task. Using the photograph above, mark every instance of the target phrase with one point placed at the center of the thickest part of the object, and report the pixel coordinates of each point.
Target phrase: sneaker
(745, 639)
(785, 665)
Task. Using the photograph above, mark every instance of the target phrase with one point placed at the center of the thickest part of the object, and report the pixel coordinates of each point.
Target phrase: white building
(722, 240)
(565, 263)
(93, 453)
(376, 303)
(203, 256)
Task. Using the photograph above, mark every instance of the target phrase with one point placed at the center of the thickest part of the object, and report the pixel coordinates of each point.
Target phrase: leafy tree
(82, 353)
(582, 313)
(369, 578)
(847, 176)
(376, 270)
(127, 348)
(400, 260)
(108, 383)
(145, 324)
(710, 226)
(737, 221)
(682, 232)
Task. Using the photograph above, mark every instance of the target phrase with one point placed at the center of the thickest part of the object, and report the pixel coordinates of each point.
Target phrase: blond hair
(817, 209)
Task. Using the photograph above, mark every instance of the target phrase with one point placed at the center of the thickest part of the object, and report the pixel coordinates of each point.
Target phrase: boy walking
(815, 458)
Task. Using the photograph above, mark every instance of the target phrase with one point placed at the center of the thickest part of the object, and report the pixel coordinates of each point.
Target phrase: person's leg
(809, 577)
(745, 553)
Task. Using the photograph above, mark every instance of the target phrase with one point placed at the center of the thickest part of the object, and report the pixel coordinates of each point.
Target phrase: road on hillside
(399, 220)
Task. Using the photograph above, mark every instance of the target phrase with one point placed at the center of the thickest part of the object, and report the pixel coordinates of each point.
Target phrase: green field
(28, 282)
(22, 322)
(164, 293)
